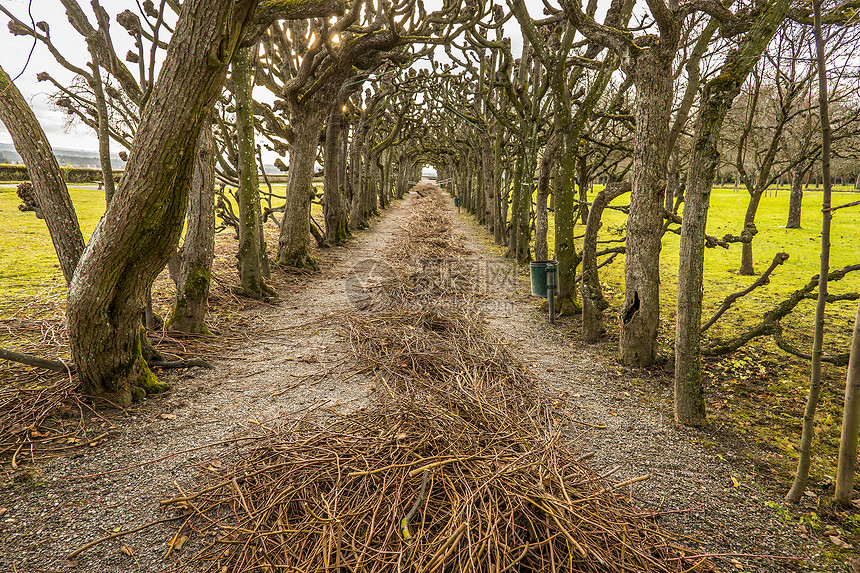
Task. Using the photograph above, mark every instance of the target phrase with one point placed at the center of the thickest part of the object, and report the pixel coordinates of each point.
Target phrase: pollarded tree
(143, 223)
(717, 98)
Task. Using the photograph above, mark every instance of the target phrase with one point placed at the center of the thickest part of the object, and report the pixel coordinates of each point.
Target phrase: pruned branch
(730, 300)
(770, 320)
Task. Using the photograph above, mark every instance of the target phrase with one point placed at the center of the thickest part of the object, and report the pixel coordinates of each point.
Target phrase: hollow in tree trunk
(640, 312)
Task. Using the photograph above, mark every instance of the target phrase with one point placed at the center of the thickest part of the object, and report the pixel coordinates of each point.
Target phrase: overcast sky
(15, 49)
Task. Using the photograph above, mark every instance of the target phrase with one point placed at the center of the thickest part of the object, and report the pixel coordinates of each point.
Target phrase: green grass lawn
(28, 263)
(721, 277)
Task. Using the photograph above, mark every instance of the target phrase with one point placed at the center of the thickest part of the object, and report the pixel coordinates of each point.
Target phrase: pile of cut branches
(456, 464)
(411, 484)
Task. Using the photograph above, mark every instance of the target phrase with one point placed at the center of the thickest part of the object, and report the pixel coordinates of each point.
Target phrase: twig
(83, 548)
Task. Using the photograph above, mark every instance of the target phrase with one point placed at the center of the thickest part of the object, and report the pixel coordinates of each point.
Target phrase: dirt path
(611, 416)
(49, 513)
(616, 418)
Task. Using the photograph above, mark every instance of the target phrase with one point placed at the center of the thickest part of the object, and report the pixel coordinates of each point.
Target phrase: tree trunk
(516, 197)
(747, 266)
(491, 211)
(847, 464)
(103, 131)
(717, 98)
(565, 222)
(640, 313)
(805, 458)
(194, 273)
(50, 190)
(336, 226)
(252, 282)
(795, 202)
(673, 179)
(294, 242)
(593, 303)
(583, 174)
(550, 155)
(143, 222)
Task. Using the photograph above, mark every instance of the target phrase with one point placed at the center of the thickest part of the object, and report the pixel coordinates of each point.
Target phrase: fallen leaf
(735, 482)
(169, 416)
(126, 549)
(839, 542)
(180, 542)
(3, 510)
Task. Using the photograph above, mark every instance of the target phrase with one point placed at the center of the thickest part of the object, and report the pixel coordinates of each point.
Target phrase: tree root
(60, 366)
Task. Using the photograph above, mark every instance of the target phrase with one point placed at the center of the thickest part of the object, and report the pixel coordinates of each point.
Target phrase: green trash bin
(538, 276)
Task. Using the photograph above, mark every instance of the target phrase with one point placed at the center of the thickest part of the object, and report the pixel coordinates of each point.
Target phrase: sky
(14, 52)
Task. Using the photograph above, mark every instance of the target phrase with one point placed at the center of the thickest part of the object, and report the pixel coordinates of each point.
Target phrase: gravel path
(612, 417)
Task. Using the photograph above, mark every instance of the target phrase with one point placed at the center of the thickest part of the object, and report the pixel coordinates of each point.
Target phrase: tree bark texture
(50, 190)
(334, 213)
(847, 464)
(143, 222)
(640, 312)
(565, 222)
(593, 303)
(194, 274)
(294, 241)
(717, 98)
(251, 252)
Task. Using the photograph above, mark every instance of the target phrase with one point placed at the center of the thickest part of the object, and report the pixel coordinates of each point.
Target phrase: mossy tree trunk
(294, 241)
(516, 198)
(847, 464)
(142, 225)
(565, 223)
(640, 313)
(193, 274)
(334, 212)
(593, 303)
(717, 97)
(143, 222)
(251, 252)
